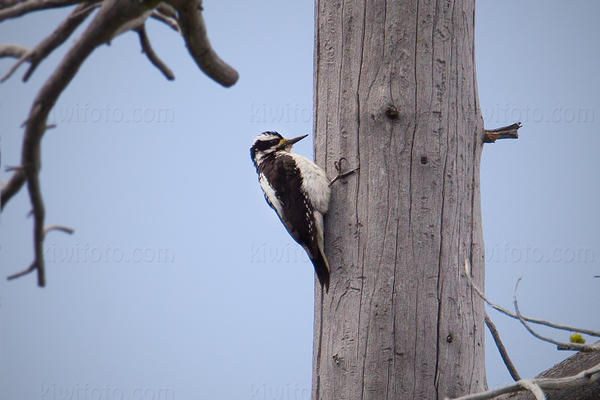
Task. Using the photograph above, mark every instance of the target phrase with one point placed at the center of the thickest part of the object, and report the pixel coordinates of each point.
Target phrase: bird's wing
(269, 193)
(292, 206)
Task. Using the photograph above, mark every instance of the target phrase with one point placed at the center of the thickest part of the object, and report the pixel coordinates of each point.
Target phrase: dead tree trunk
(395, 94)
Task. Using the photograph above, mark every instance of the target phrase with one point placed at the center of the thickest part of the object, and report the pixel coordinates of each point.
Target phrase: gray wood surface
(568, 367)
(395, 94)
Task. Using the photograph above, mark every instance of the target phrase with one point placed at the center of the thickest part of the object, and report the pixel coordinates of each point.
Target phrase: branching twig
(29, 270)
(152, 56)
(194, 32)
(528, 319)
(52, 41)
(112, 15)
(503, 353)
(12, 50)
(560, 345)
(581, 378)
(170, 22)
(25, 7)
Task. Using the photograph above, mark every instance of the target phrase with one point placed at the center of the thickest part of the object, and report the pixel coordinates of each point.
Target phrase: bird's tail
(321, 268)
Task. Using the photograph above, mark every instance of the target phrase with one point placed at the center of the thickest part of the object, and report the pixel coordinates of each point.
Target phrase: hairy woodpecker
(298, 190)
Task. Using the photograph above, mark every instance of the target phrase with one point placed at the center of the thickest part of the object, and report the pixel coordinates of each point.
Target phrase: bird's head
(269, 143)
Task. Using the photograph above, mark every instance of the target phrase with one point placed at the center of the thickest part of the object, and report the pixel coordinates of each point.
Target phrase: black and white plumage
(298, 190)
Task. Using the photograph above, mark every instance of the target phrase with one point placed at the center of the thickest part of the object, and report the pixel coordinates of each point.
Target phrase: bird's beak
(289, 142)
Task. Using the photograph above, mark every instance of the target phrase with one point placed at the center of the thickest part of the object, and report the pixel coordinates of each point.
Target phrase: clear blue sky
(181, 283)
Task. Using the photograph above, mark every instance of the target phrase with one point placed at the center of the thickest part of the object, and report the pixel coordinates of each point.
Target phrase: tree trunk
(395, 94)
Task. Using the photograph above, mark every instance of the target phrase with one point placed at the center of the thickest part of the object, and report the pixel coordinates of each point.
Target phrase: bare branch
(194, 32)
(503, 353)
(12, 168)
(506, 132)
(25, 7)
(528, 319)
(52, 41)
(39, 213)
(167, 10)
(112, 15)
(61, 228)
(533, 388)
(131, 25)
(9, 3)
(113, 18)
(29, 270)
(11, 187)
(560, 345)
(12, 50)
(170, 22)
(582, 378)
(152, 56)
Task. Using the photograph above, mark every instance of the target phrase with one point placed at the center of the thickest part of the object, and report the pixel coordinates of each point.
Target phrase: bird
(298, 190)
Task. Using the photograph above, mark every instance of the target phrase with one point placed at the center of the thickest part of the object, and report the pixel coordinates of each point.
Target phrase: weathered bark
(395, 94)
(568, 367)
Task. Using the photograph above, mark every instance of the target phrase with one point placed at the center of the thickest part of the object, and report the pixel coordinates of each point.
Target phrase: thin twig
(170, 22)
(560, 345)
(29, 270)
(573, 381)
(13, 168)
(503, 353)
(52, 41)
(12, 50)
(152, 56)
(528, 319)
(33, 5)
(61, 228)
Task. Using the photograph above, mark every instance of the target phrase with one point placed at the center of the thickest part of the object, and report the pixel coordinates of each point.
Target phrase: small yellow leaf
(577, 338)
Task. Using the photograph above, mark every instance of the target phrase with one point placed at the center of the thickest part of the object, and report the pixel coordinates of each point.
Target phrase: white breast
(315, 182)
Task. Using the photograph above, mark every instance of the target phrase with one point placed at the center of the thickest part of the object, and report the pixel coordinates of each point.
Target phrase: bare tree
(112, 18)
(396, 95)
